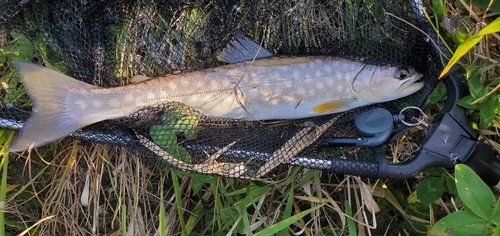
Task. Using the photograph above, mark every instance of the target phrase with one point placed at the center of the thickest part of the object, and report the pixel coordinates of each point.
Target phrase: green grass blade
(162, 207)
(3, 184)
(244, 217)
(286, 222)
(178, 200)
(350, 222)
(288, 208)
(123, 217)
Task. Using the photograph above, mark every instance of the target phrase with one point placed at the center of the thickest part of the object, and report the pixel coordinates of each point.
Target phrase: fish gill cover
(107, 42)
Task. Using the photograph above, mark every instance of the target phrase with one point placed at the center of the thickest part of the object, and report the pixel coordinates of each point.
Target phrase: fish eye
(401, 74)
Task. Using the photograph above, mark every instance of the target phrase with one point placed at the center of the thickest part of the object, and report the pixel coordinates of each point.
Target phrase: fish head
(376, 84)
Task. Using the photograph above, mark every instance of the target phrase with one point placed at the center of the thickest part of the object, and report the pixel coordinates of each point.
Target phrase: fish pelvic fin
(335, 105)
(51, 117)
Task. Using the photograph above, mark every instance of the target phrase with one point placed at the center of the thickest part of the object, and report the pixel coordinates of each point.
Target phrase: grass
(84, 189)
(126, 197)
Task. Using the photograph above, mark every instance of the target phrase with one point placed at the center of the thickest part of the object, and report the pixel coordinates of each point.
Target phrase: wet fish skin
(266, 89)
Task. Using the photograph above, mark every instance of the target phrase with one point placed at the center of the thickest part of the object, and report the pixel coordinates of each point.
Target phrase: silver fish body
(266, 89)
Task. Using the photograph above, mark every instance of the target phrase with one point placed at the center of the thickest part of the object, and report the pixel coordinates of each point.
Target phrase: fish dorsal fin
(139, 78)
(335, 105)
(242, 49)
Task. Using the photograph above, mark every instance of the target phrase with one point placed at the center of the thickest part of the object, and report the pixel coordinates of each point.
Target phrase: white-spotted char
(265, 89)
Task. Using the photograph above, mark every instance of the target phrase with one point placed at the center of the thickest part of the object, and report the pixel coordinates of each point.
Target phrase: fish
(255, 85)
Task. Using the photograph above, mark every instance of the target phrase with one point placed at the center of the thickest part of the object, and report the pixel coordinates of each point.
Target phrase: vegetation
(78, 189)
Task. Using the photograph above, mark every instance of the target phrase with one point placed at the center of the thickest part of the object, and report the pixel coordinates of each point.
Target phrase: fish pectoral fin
(242, 49)
(139, 78)
(335, 105)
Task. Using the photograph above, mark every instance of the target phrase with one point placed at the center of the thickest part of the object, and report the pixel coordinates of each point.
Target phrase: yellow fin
(139, 78)
(334, 105)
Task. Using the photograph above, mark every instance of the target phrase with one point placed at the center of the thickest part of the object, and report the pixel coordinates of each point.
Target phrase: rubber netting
(107, 42)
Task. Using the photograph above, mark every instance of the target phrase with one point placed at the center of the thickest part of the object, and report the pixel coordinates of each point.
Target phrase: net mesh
(107, 42)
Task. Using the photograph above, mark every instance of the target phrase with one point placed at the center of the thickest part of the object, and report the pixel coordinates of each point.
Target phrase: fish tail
(52, 117)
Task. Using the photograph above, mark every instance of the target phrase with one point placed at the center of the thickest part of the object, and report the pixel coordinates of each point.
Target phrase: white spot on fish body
(265, 80)
(336, 65)
(318, 73)
(128, 98)
(253, 94)
(172, 86)
(113, 102)
(308, 78)
(287, 84)
(163, 94)
(194, 99)
(81, 104)
(277, 91)
(96, 103)
(329, 82)
(339, 78)
(295, 74)
(276, 74)
(320, 85)
(150, 96)
(311, 93)
(301, 90)
(285, 69)
(185, 82)
(214, 85)
(328, 69)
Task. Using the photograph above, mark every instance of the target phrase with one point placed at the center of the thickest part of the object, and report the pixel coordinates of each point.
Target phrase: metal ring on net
(419, 121)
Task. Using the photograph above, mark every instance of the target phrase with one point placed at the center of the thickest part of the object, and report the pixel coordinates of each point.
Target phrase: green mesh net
(106, 43)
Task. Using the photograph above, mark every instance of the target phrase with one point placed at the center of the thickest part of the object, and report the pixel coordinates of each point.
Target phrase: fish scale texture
(107, 42)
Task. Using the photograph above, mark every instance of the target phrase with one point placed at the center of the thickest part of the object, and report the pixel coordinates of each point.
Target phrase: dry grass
(93, 189)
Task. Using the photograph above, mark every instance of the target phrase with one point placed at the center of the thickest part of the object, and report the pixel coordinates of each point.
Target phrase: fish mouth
(411, 85)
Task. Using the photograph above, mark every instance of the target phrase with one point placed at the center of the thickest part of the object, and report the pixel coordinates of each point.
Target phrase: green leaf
(229, 212)
(492, 27)
(459, 224)
(487, 111)
(438, 94)
(495, 218)
(23, 47)
(285, 223)
(452, 186)
(476, 195)
(439, 9)
(430, 189)
(433, 171)
(197, 182)
(466, 102)
(476, 87)
(163, 136)
(412, 198)
(469, 43)
(481, 4)
(179, 153)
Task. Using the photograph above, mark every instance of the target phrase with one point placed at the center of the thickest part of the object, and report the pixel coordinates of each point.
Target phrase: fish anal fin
(139, 78)
(242, 49)
(335, 105)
